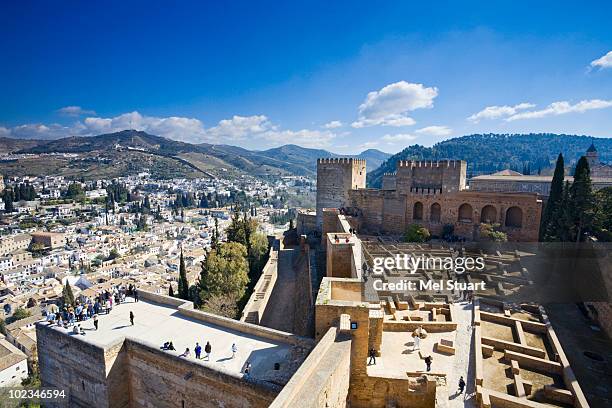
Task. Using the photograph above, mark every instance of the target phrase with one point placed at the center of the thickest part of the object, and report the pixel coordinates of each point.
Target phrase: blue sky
(343, 76)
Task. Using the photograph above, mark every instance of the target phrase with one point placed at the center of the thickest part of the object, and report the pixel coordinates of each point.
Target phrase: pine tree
(582, 200)
(183, 285)
(547, 226)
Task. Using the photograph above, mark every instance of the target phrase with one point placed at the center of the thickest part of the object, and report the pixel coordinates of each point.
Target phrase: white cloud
(333, 124)
(603, 62)
(398, 138)
(172, 127)
(390, 105)
(434, 131)
(562, 108)
(494, 112)
(75, 111)
(239, 127)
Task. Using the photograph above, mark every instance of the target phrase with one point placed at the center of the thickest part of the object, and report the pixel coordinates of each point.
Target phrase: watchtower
(335, 178)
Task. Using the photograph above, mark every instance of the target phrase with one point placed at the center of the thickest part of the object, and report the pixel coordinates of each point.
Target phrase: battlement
(430, 163)
(340, 160)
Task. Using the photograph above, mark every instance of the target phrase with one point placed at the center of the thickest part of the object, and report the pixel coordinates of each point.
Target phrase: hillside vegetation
(488, 153)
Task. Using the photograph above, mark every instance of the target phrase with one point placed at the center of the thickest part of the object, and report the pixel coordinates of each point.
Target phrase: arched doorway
(514, 217)
(465, 213)
(435, 212)
(488, 214)
(417, 211)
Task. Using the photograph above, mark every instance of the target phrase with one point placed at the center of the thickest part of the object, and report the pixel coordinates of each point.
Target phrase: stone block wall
(82, 369)
(162, 380)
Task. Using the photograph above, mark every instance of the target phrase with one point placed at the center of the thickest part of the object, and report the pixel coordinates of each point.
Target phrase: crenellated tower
(335, 178)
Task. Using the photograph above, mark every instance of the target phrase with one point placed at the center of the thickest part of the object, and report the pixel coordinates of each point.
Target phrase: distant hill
(208, 159)
(488, 153)
(374, 158)
(8, 145)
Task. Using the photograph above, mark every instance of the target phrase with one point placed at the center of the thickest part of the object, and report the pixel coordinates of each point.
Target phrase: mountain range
(130, 151)
(130, 147)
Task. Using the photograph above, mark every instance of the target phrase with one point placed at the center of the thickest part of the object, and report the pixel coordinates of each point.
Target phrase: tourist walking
(208, 350)
(198, 350)
(234, 350)
(132, 317)
(428, 361)
(461, 385)
(95, 319)
(372, 355)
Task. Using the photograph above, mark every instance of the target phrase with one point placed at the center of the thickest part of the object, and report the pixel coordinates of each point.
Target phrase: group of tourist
(86, 308)
(169, 346)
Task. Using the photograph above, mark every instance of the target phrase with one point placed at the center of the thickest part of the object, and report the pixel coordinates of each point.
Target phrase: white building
(13, 365)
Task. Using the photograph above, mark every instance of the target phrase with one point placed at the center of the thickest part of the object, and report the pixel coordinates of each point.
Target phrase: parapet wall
(323, 379)
(162, 380)
(256, 306)
(186, 308)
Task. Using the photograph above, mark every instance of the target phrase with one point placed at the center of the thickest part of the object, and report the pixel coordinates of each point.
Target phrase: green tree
(7, 197)
(114, 254)
(222, 305)
(603, 216)
(563, 225)
(67, 295)
(74, 191)
(258, 251)
(20, 313)
(491, 232)
(416, 233)
(183, 284)
(225, 271)
(582, 201)
(548, 225)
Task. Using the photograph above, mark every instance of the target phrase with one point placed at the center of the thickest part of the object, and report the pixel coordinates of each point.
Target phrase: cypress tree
(171, 291)
(67, 295)
(183, 285)
(547, 226)
(562, 226)
(582, 200)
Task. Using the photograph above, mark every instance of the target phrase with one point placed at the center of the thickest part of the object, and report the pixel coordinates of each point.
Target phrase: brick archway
(465, 213)
(488, 214)
(514, 217)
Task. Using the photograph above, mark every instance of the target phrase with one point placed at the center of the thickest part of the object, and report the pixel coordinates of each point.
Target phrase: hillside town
(94, 235)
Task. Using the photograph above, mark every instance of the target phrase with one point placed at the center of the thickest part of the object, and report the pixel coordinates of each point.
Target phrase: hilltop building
(512, 181)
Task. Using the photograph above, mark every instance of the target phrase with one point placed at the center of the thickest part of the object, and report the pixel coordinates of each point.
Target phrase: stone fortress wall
(430, 193)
